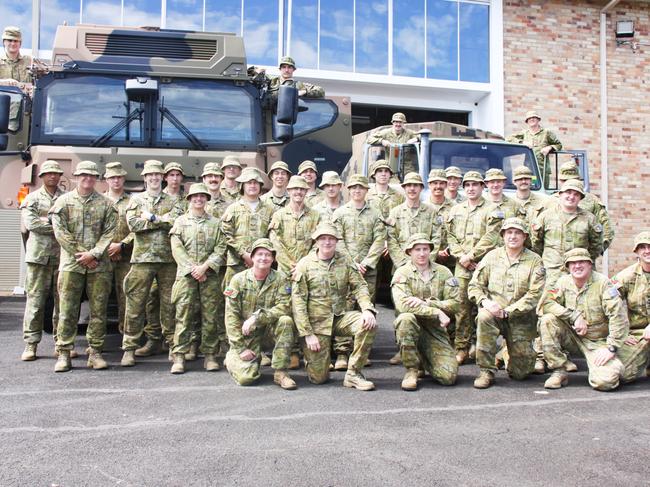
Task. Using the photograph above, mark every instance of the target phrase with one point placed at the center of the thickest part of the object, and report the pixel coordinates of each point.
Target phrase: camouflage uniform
(404, 221)
(533, 206)
(311, 91)
(537, 141)
(291, 235)
(509, 207)
(270, 299)
(388, 134)
(278, 202)
(83, 224)
(230, 195)
(17, 69)
(384, 202)
(312, 199)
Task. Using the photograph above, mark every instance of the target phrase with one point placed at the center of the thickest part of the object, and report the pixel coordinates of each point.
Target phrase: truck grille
(168, 47)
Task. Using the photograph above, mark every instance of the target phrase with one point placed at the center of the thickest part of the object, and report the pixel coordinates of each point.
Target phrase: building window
(261, 20)
(223, 16)
(371, 36)
(185, 14)
(442, 39)
(408, 38)
(474, 42)
(336, 45)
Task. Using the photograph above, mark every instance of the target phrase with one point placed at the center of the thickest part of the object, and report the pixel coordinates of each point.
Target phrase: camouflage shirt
(509, 207)
(217, 206)
(389, 134)
(363, 233)
(123, 234)
(311, 91)
(18, 69)
(384, 202)
(458, 199)
(325, 211)
(242, 226)
(537, 141)
(277, 201)
(316, 197)
(84, 224)
(180, 199)
(230, 195)
(592, 204)
(633, 285)
(194, 240)
(321, 291)
(404, 221)
(42, 248)
(533, 206)
(291, 235)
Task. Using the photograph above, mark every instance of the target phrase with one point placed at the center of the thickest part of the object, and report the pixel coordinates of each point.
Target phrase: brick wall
(551, 63)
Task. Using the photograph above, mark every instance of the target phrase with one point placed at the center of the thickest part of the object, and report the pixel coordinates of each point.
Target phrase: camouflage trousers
(192, 297)
(137, 285)
(423, 343)
(247, 372)
(40, 281)
(635, 358)
(465, 318)
(152, 327)
(71, 288)
(557, 333)
(120, 270)
(349, 324)
(518, 333)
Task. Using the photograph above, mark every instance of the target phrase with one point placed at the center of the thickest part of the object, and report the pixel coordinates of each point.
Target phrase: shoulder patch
(598, 227)
(287, 288)
(230, 292)
(498, 214)
(452, 282)
(541, 271)
(439, 220)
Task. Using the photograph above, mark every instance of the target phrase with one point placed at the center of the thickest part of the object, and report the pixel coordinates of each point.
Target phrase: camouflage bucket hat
(152, 166)
(577, 255)
(569, 170)
(415, 239)
(517, 223)
(437, 175)
(281, 165)
(86, 167)
(641, 238)
(50, 166)
(12, 33)
(330, 177)
(453, 171)
(575, 185)
(297, 182)
(379, 164)
(304, 165)
(413, 178)
(357, 180)
(325, 229)
(198, 188)
(287, 60)
(531, 114)
(398, 117)
(212, 168)
(473, 176)
(250, 174)
(230, 161)
(113, 170)
(174, 166)
(522, 172)
(495, 174)
(262, 243)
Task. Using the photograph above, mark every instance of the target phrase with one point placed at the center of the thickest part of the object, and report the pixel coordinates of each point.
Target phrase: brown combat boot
(396, 359)
(355, 379)
(95, 359)
(341, 362)
(558, 379)
(570, 366)
(210, 362)
(151, 347)
(484, 380)
(281, 378)
(73, 353)
(265, 361)
(193, 353)
(410, 380)
(63, 361)
(461, 356)
(128, 359)
(178, 366)
(295, 361)
(29, 353)
(472, 354)
(540, 366)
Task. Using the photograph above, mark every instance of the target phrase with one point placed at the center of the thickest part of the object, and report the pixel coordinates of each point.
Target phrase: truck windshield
(477, 156)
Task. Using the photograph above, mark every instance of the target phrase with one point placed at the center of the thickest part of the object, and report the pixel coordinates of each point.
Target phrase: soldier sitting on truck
(14, 67)
(397, 134)
(287, 67)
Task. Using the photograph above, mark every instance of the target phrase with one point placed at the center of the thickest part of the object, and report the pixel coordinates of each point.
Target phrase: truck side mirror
(5, 104)
(283, 132)
(287, 111)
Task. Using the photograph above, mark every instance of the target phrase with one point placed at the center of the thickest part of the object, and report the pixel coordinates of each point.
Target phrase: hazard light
(22, 194)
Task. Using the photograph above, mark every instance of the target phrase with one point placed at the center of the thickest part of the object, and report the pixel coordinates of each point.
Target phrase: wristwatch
(152, 218)
(612, 348)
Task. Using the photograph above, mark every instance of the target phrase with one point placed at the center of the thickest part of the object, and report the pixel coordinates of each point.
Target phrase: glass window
(261, 31)
(474, 42)
(408, 38)
(142, 12)
(304, 33)
(104, 12)
(321, 114)
(185, 14)
(54, 14)
(371, 36)
(442, 39)
(336, 39)
(223, 16)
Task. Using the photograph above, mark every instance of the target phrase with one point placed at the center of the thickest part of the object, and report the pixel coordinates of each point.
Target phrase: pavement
(145, 427)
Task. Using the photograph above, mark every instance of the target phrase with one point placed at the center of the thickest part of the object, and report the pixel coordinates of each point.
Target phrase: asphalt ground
(143, 426)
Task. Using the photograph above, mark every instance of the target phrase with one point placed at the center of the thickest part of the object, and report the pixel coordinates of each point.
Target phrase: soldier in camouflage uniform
(454, 180)
(14, 67)
(257, 299)
(633, 283)
(506, 287)
(287, 67)
(41, 256)
(584, 308)
(279, 175)
(307, 170)
(323, 284)
(541, 140)
(426, 297)
(495, 180)
(331, 185)
(397, 134)
(232, 169)
(150, 216)
(84, 222)
(381, 195)
(472, 231)
(441, 205)
(194, 244)
(532, 204)
(119, 251)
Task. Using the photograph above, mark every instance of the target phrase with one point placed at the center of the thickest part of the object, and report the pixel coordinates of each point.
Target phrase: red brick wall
(551, 64)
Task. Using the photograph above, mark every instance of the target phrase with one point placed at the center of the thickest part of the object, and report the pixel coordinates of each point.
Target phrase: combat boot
(128, 359)
(396, 359)
(210, 363)
(95, 359)
(73, 353)
(461, 356)
(265, 361)
(151, 347)
(355, 379)
(559, 378)
(540, 366)
(341, 362)
(281, 378)
(295, 361)
(63, 361)
(410, 380)
(472, 354)
(570, 366)
(179, 364)
(484, 380)
(193, 353)
(30, 352)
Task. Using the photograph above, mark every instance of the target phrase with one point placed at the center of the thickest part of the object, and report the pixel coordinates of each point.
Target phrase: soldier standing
(212, 176)
(426, 297)
(454, 178)
(41, 256)
(232, 169)
(256, 299)
(380, 194)
(331, 185)
(441, 207)
(307, 170)
(84, 222)
(279, 175)
(14, 67)
(323, 283)
(531, 203)
(506, 287)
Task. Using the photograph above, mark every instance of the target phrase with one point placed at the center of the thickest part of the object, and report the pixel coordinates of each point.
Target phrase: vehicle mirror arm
(100, 141)
(182, 128)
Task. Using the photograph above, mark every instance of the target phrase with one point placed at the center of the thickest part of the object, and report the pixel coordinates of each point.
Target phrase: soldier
(541, 140)
(323, 283)
(279, 175)
(632, 283)
(454, 178)
(397, 134)
(119, 251)
(194, 243)
(381, 194)
(41, 256)
(441, 207)
(331, 185)
(584, 308)
(84, 222)
(532, 204)
(472, 231)
(287, 68)
(426, 297)
(506, 287)
(14, 67)
(150, 216)
(307, 170)
(232, 169)
(212, 177)
(256, 299)
(495, 180)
